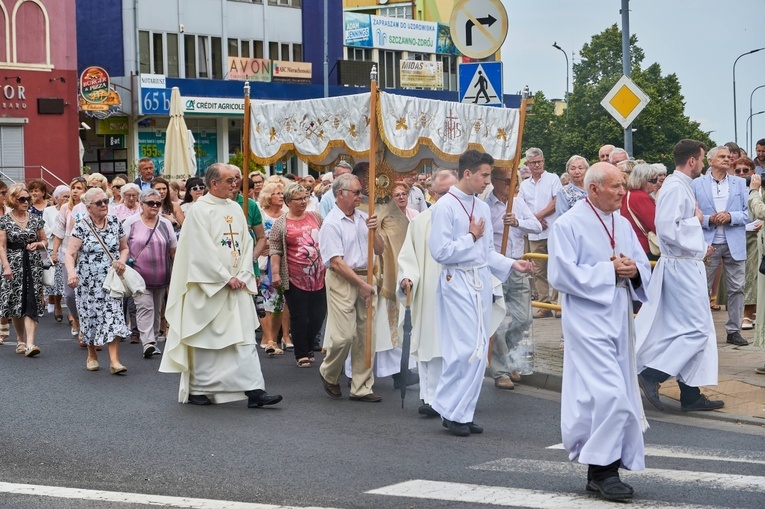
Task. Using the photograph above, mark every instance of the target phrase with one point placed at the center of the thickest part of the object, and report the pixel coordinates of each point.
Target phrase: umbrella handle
(408, 293)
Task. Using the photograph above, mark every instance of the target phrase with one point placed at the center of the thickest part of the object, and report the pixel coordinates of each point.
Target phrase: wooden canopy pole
(246, 153)
(371, 207)
(516, 163)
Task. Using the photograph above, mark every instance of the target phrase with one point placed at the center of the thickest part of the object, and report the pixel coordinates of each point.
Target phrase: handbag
(130, 284)
(653, 240)
(762, 265)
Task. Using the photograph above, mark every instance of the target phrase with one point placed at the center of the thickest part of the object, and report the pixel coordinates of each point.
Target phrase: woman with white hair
(60, 196)
(129, 205)
(638, 206)
(661, 174)
(576, 167)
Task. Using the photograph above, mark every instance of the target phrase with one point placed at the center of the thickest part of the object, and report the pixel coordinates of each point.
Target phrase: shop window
(173, 70)
(144, 52)
(158, 53)
(389, 68)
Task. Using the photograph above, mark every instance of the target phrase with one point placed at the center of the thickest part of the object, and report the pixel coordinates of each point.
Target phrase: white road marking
(707, 480)
(133, 498)
(511, 497)
(692, 453)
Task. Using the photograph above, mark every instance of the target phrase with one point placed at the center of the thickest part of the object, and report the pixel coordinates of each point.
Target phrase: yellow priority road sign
(478, 27)
(625, 101)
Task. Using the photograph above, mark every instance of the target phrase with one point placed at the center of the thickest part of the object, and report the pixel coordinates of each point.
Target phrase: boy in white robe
(599, 266)
(461, 240)
(675, 331)
(212, 317)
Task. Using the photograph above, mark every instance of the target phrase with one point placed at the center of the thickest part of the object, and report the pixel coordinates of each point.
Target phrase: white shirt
(720, 191)
(345, 236)
(327, 203)
(538, 195)
(527, 223)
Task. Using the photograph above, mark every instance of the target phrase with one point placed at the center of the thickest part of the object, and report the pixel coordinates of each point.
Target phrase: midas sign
(249, 69)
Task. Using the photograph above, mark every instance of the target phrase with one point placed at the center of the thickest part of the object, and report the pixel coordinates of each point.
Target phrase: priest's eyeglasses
(357, 192)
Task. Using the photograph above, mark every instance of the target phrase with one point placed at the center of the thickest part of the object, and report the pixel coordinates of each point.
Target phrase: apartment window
(217, 59)
(286, 3)
(450, 72)
(285, 52)
(258, 49)
(273, 50)
(233, 48)
(144, 52)
(297, 52)
(396, 11)
(173, 69)
(389, 68)
(245, 47)
(418, 56)
(158, 54)
(363, 54)
(190, 57)
(203, 56)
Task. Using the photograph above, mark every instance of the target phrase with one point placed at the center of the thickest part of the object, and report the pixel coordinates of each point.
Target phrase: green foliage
(589, 126)
(237, 159)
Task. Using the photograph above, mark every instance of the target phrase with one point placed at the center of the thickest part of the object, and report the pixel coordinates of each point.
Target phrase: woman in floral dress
(101, 317)
(22, 236)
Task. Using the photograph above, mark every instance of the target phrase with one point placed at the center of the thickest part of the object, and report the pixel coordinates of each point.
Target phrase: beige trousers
(540, 272)
(346, 323)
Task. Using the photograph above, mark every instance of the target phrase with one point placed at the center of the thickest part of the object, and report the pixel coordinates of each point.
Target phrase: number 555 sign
(155, 101)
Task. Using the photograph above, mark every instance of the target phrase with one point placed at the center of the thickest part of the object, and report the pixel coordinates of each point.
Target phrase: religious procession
(380, 269)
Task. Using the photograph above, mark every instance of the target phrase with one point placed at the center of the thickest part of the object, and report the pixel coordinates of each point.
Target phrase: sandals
(713, 304)
(305, 362)
(5, 331)
(59, 318)
(747, 323)
(272, 349)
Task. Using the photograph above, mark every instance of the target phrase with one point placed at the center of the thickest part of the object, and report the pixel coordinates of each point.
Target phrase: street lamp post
(555, 45)
(750, 140)
(735, 121)
(750, 122)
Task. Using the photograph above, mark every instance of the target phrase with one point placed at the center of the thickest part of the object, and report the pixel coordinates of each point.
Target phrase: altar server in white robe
(675, 330)
(596, 261)
(461, 240)
(210, 309)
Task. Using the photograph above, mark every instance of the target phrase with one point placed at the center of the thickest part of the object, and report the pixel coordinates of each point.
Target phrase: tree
(588, 125)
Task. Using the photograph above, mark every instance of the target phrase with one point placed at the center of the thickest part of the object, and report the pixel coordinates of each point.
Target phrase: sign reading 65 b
(155, 101)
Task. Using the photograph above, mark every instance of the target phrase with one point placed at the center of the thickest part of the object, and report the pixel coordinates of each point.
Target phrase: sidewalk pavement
(739, 386)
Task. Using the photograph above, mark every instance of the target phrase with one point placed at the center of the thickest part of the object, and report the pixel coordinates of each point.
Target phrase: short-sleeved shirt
(538, 195)
(150, 252)
(253, 219)
(344, 236)
(306, 270)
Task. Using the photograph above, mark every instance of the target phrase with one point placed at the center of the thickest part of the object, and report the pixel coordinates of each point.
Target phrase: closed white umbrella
(178, 164)
(192, 153)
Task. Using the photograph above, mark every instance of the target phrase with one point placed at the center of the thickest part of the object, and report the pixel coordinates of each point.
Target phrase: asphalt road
(63, 426)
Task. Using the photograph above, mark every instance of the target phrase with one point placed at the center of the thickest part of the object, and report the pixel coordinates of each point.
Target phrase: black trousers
(688, 394)
(603, 472)
(307, 311)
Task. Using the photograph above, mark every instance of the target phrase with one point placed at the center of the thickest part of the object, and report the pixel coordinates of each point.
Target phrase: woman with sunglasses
(638, 206)
(54, 293)
(170, 211)
(68, 215)
(22, 236)
(195, 189)
(744, 167)
(151, 242)
(87, 263)
(5, 328)
(116, 189)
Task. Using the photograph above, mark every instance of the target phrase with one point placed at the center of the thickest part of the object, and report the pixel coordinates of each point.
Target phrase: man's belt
(360, 272)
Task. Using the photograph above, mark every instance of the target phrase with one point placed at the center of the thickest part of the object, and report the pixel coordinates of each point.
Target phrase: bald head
(604, 152)
(441, 181)
(605, 186)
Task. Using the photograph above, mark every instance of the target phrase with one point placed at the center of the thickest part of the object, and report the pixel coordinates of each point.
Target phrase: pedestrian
(343, 243)
(116, 190)
(675, 334)
(210, 310)
(401, 198)
(170, 210)
(639, 207)
(462, 241)
(97, 243)
(38, 191)
(418, 272)
(151, 244)
(56, 291)
(568, 195)
(757, 209)
(5, 327)
(328, 198)
(22, 238)
(195, 189)
(129, 205)
(298, 270)
(744, 168)
(599, 266)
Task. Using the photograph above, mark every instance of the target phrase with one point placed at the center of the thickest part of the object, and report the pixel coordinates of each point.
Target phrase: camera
(748, 180)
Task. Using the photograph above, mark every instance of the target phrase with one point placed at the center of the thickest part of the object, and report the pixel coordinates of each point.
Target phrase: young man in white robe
(675, 330)
(599, 266)
(211, 341)
(461, 240)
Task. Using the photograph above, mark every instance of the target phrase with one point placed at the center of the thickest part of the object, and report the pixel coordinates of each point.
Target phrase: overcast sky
(696, 39)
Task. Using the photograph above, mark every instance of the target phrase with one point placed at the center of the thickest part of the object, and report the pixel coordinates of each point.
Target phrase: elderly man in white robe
(599, 266)
(675, 330)
(461, 240)
(211, 341)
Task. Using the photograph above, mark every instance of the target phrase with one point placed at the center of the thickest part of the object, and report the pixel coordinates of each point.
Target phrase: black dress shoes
(199, 399)
(474, 428)
(457, 428)
(703, 404)
(259, 397)
(427, 410)
(611, 489)
(650, 391)
(735, 338)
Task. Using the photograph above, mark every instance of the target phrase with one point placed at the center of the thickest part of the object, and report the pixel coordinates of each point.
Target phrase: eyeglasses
(739, 171)
(535, 163)
(197, 188)
(303, 199)
(654, 180)
(23, 199)
(153, 204)
(101, 203)
(357, 192)
(399, 195)
(257, 182)
(231, 180)
(116, 187)
(505, 180)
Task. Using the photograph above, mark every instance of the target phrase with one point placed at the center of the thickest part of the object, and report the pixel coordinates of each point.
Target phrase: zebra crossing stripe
(692, 453)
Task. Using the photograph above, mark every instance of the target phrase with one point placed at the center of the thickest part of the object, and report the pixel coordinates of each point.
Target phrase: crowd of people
(449, 244)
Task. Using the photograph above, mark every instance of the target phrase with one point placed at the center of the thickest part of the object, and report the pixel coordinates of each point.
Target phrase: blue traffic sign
(480, 83)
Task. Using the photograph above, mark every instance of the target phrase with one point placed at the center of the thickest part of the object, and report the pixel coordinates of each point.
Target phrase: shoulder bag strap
(634, 218)
(98, 237)
(147, 240)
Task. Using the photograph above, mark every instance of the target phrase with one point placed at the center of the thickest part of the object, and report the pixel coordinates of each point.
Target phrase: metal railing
(32, 172)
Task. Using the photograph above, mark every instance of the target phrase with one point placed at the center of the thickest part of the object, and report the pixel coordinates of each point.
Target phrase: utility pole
(626, 66)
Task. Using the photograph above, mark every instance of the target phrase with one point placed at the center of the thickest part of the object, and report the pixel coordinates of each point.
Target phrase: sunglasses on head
(116, 187)
(23, 199)
(153, 204)
(739, 171)
(101, 203)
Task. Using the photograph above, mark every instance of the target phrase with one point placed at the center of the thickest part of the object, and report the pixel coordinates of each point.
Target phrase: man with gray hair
(599, 266)
(211, 341)
(328, 199)
(604, 152)
(539, 193)
(343, 243)
(618, 155)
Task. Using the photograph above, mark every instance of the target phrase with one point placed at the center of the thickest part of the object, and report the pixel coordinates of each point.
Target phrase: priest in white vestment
(675, 330)
(461, 240)
(599, 266)
(211, 341)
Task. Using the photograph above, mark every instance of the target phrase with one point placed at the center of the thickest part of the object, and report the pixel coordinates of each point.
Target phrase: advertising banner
(151, 144)
(422, 74)
(249, 69)
(295, 72)
(357, 30)
(94, 85)
(400, 34)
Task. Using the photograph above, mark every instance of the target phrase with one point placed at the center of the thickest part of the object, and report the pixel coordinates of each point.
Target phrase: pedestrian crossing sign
(480, 83)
